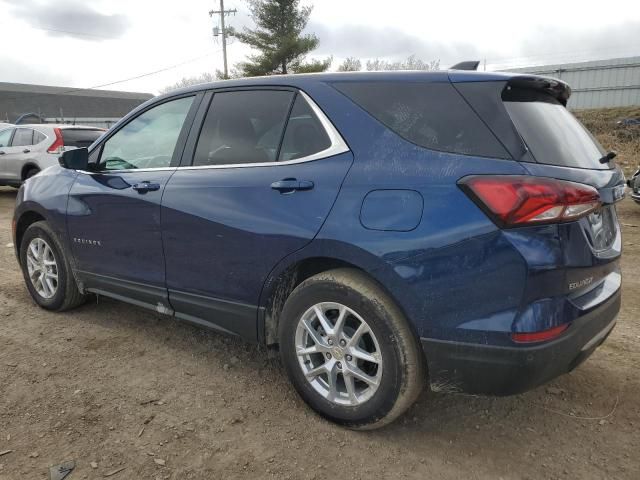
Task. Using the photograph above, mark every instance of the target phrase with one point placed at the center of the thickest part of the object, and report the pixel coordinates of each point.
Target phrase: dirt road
(125, 388)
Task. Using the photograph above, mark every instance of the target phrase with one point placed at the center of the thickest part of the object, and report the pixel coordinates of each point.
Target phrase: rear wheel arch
(28, 168)
(278, 288)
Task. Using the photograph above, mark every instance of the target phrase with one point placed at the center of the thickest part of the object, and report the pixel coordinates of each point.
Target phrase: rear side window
(22, 138)
(304, 135)
(243, 127)
(77, 137)
(38, 137)
(550, 131)
(431, 115)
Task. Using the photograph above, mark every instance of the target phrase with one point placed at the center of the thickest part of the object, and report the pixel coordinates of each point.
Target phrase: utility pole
(222, 12)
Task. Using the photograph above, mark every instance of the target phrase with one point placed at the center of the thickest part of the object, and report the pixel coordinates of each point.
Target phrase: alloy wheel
(42, 268)
(338, 353)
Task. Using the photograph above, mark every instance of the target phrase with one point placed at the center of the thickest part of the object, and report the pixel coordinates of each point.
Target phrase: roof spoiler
(554, 87)
(468, 65)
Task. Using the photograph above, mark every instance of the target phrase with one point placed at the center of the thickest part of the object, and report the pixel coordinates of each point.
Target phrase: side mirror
(76, 159)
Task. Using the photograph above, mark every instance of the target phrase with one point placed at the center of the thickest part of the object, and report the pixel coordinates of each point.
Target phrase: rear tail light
(58, 145)
(513, 200)
(544, 335)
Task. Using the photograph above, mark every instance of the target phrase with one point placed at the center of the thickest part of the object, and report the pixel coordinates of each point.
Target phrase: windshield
(551, 132)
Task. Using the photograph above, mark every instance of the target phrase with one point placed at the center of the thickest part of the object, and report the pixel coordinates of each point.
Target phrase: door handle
(144, 187)
(290, 185)
(26, 150)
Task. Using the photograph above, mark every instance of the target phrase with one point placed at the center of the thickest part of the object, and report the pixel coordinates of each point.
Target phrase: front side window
(243, 127)
(22, 138)
(5, 137)
(149, 140)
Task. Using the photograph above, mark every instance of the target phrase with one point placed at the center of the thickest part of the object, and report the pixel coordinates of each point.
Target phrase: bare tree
(350, 64)
(411, 63)
(205, 77)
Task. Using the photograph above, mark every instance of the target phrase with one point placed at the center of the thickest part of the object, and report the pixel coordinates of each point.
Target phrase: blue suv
(384, 230)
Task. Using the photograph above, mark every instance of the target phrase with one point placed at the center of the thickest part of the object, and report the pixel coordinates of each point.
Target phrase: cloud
(536, 45)
(15, 71)
(371, 42)
(71, 18)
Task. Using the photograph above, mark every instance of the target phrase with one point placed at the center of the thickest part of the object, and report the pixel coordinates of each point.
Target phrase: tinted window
(76, 137)
(551, 132)
(5, 137)
(431, 115)
(304, 135)
(149, 140)
(243, 127)
(22, 138)
(38, 137)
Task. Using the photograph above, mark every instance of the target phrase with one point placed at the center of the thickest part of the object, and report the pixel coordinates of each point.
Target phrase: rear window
(431, 115)
(551, 132)
(79, 137)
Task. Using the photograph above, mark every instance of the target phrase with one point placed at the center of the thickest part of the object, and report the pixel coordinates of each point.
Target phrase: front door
(265, 173)
(113, 213)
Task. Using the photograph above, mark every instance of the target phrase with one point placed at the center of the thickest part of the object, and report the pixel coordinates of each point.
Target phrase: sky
(76, 43)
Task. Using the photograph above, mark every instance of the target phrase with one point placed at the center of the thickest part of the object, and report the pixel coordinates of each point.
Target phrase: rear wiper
(608, 157)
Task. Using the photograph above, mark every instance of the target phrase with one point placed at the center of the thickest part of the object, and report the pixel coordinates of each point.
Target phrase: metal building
(597, 84)
(100, 108)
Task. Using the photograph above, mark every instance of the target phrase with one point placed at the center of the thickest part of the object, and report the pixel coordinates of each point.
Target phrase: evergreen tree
(279, 39)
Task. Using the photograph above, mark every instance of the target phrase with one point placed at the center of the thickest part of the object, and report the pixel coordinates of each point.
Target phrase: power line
(70, 32)
(148, 74)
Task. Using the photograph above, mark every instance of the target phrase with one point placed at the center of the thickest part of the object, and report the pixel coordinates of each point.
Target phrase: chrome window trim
(338, 146)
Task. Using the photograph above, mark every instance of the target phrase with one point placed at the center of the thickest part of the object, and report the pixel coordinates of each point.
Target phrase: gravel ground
(114, 387)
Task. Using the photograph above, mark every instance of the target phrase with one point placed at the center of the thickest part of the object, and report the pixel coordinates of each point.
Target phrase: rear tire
(31, 172)
(326, 354)
(47, 272)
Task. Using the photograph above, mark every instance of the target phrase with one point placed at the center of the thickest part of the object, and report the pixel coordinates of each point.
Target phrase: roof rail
(468, 65)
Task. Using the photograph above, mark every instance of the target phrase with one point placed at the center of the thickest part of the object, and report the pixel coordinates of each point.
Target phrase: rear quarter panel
(455, 273)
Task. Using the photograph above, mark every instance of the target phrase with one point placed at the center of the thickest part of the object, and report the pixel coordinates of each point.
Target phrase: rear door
(258, 182)
(113, 213)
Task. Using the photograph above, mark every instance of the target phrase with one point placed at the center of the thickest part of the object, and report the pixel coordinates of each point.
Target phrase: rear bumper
(492, 370)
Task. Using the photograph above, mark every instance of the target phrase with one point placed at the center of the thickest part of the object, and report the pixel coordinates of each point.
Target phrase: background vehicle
(634, 185)
(27, 149)
(459, 223)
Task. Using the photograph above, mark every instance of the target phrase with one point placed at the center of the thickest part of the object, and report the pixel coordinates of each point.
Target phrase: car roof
(553, 85)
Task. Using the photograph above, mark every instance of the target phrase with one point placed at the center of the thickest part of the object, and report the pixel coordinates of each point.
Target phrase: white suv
(27, 149)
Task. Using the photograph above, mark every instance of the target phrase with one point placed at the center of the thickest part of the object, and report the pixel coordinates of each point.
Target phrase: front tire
(349, 350)
(47, 272)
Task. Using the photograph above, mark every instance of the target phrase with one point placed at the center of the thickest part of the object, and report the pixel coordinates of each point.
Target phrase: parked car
(381, 228)
(27, 149)
(634, 185)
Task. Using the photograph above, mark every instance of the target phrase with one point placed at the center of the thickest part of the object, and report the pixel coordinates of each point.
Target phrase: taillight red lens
(514, 200)
(544, 335)
(58, 145)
